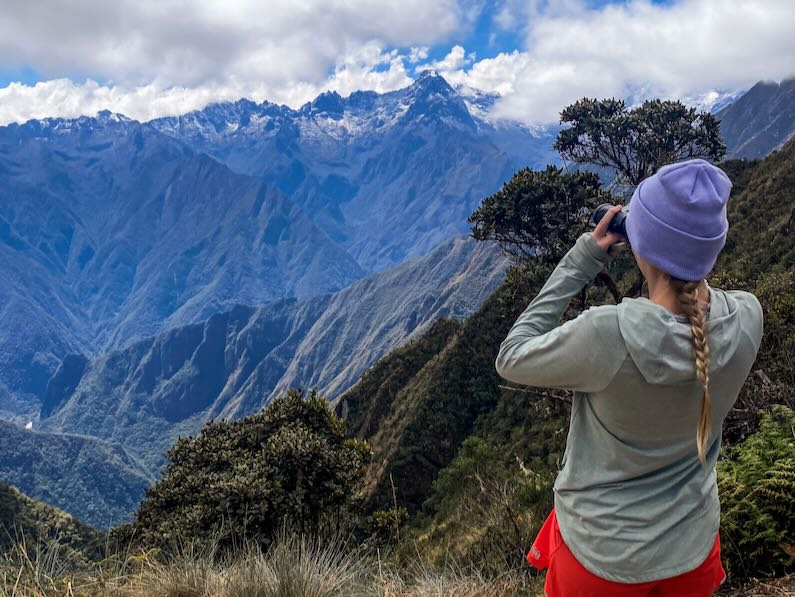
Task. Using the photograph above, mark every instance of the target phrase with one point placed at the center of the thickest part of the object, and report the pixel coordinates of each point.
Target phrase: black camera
(619, 222)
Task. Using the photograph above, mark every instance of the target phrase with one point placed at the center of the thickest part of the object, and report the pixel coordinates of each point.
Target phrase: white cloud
(511, 14)
(188, 42)
(418, 54)
(671, 51)
(157, 57)
(369, 68)
(170, 56)
(456, 59)
(498, 74)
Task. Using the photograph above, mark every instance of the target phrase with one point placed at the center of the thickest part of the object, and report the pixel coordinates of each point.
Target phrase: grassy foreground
(293, 567)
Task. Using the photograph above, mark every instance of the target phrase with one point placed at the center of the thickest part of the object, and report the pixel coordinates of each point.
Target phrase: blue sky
(488, 39)
(147, 58)
(27, 75)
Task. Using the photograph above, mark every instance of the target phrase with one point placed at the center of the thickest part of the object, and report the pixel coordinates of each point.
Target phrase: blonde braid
(687, 293)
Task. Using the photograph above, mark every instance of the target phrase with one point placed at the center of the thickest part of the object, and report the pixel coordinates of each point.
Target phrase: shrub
(538, 214)
(757, 490)
(30, 526)
(384, 525)
(776, 292)
(485, 509)
(290, 464)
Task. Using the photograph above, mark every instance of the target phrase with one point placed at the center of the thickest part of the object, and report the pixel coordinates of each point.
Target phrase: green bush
(384, 526)
(776, 292)
(289, 465)
(757, 491)
(538, 214)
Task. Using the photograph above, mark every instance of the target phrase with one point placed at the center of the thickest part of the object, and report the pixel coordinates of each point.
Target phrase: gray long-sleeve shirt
(632, 499)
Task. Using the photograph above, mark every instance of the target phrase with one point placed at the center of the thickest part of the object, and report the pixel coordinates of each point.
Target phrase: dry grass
(444, 585)
(781, 587)
(294, 567)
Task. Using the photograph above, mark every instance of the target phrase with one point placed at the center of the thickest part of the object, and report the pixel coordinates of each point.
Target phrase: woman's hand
(607, 240)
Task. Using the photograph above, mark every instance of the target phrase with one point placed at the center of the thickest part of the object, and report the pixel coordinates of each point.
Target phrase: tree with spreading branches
(635, 142)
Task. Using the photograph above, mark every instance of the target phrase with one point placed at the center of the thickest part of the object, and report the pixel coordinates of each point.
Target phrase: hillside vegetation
(75, 473)
(31, 525)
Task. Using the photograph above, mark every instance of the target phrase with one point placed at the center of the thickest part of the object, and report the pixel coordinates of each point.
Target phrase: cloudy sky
(147, 58)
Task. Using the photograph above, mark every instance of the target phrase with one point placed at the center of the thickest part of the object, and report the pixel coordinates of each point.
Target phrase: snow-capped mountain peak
(51, 126)
(713, 100)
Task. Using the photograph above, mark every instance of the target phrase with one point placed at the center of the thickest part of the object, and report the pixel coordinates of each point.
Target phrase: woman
(636, 501)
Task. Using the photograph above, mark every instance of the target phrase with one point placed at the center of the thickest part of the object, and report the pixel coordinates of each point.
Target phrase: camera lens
(617, 224)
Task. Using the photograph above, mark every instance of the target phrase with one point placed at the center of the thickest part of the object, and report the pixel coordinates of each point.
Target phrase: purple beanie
(677, 218)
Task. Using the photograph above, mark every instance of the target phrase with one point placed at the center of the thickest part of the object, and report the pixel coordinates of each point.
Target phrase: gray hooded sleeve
(584, 353)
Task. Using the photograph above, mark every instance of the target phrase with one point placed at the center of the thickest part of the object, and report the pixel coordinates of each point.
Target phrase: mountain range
(110, 230)
(387, 176)
(113, 230)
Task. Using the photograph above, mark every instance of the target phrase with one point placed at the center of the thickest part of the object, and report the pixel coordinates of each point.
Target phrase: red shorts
(566, 577)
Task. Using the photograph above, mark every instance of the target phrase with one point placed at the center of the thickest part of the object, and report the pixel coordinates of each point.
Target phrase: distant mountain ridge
(388, 176)
(144, 396)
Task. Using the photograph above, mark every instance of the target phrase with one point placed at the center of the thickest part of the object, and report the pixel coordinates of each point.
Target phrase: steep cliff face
(112, 230)
(234, 363)
(760, 120)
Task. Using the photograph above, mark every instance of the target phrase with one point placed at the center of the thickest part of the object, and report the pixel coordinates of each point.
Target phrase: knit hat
(677, 218)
